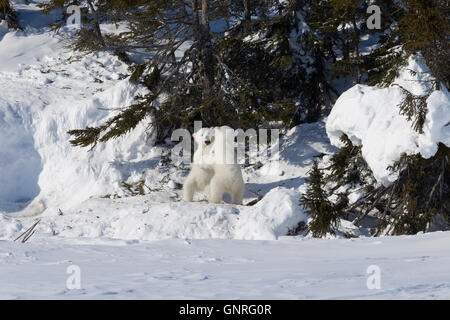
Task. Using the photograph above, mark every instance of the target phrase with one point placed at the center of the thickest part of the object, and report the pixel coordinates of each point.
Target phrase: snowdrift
(370, 117)
(156, 216)
(41, 103)
(46, 91)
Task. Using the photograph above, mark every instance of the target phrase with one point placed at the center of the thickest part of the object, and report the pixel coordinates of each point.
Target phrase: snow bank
(46, 91)
(157, 216)
(370, 117)
(62, 93)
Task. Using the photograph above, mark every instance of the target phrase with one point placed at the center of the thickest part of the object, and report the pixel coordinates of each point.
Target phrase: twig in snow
(254, 201)
(28, 233)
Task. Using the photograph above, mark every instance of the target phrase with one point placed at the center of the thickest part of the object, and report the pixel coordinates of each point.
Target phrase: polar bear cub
(214, 171)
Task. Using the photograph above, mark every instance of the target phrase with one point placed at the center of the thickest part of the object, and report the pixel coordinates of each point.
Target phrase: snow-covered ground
(410, 267)
(154, 245)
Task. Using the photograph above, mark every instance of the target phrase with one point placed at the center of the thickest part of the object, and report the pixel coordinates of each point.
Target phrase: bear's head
(204, 137)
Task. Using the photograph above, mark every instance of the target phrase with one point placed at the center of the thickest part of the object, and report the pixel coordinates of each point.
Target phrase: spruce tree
(420, 198)
(223, 78)
(325, 217)
(339, 22)
(348, 167)
(425, 28)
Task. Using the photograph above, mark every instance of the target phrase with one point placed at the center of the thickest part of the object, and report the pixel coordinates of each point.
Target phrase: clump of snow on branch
(370, 117)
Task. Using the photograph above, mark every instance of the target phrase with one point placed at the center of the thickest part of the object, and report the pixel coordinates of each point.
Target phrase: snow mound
(272, 217)
(370, 117)
(156, 216)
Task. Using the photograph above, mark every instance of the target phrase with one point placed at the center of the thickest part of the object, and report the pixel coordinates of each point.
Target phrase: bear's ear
(196, 134)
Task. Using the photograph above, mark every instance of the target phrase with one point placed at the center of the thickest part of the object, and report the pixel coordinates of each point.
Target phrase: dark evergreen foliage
(419, 195)
(325, 217)
(8, 14)
(425, 27)
(222, 79)
(414, 107)
(347, 167)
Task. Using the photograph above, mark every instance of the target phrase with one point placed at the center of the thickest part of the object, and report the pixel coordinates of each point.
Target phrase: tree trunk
(196, 23)
(96, 25)
(206, 53)
(356, 48)
(247, 15)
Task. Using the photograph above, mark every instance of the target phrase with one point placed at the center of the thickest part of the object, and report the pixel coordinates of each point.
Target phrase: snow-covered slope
(48, 89)
(370, 117)
(158, 216)
(39, 105)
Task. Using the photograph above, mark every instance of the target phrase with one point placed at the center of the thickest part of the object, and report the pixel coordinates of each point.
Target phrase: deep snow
(46, 91)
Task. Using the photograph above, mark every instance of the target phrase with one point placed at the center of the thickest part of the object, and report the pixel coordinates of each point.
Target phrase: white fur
(210, 172)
